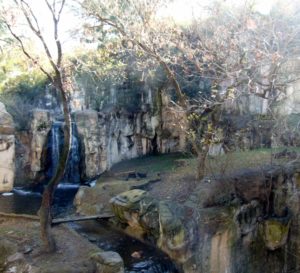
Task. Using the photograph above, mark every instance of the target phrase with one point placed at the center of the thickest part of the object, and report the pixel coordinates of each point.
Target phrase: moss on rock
(275, 233)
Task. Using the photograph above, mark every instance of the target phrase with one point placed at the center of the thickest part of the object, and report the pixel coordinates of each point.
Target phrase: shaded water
(151, 261)
(23, 201)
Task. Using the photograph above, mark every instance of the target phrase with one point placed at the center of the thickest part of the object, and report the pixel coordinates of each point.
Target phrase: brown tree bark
(57, 78)
(45, 209)
(201, 162)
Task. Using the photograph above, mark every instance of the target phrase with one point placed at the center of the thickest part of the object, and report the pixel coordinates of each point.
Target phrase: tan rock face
(109, 138)
(7, 150)
(40, 128)
(163, 221)
(174, 128)
(220, 253)
(91, 143)
(23, 160)
(7, 126)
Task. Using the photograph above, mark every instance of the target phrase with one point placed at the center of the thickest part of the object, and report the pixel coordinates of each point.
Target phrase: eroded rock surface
(248, 222)
(163, 222)
(92, 145)
(108, 138)
(230, 229)
(7, 150)
(108, 262)
(40, 127)
(95, 200)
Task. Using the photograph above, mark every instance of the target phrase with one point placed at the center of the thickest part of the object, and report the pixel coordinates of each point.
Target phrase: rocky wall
(108, 138)
(248, 222)
(245, 222)
(7, 150)
(40, 127)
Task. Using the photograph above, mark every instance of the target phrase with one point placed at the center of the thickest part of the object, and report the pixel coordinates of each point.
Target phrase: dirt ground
(176, 175)
(173, 187)
(19, 240)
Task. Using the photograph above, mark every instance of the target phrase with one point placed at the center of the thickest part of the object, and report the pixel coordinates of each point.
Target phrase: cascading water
(72, 173)
(55, 144)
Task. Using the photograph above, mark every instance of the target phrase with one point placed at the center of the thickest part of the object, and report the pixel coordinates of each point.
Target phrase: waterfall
(72, 173)
(55, 144)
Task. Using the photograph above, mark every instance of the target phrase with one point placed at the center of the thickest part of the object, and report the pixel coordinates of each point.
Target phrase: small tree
(54, 73)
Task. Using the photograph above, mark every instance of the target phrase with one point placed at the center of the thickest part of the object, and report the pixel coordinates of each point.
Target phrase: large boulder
(95, 200)
(164, 223)
(108, 262)
(7, 150)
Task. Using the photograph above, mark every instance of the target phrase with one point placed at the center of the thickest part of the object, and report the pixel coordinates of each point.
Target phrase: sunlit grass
(221, 164)
(257, 158)
(150, 164)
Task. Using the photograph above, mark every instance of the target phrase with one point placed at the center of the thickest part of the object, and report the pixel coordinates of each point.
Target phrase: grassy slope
(220, 164)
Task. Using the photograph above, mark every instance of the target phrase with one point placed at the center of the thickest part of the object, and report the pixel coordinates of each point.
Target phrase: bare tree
(243, 53)
(239, 51)
(56, 76)
(138, 26)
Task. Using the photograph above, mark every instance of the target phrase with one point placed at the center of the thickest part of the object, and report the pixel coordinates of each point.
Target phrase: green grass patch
(246, 159)
(150, 164)
(226, 163)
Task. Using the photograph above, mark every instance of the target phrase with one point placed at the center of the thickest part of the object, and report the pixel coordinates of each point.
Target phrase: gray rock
(7, 150)
(108, 262)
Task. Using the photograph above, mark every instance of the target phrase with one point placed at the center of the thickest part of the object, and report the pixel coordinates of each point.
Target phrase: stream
(151, 260)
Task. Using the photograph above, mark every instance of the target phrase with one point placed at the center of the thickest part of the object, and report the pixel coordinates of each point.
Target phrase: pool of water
(28, 201)
(150, 259)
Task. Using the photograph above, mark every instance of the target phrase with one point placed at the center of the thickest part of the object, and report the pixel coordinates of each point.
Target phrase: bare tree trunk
(57, 78)
(45, 209)
(201, 160)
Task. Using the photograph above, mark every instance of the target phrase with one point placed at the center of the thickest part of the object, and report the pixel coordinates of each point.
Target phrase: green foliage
(16, 73)
(97, 72)
(21, 86)
(115, 79)
(42, 126)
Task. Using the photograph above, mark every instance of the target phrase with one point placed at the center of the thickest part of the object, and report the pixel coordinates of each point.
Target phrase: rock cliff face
(105, 138)
(108, 138)
(164, 222)
(92, 146)
(290, 104)
(250, 222)
(245, 222)
(40, 128)
(7, 150)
